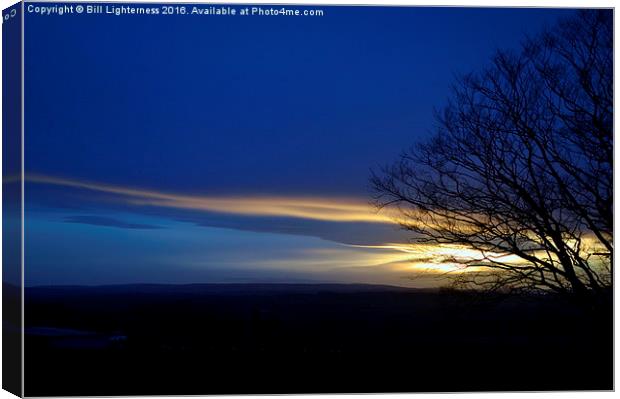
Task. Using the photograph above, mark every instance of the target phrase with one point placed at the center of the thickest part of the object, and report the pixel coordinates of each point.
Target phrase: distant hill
(224, 288)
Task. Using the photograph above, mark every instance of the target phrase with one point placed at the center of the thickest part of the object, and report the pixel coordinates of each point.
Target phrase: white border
(476, 3)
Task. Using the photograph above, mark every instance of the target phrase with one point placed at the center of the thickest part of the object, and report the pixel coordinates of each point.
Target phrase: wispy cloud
(333, 209)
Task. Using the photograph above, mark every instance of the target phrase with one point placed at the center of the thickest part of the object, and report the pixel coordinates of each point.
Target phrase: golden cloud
(333, 209)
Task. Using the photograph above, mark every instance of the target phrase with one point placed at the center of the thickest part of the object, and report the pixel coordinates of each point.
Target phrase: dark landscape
(296, 338)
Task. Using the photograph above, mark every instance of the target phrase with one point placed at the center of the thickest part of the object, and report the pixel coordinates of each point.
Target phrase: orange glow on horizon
(438, 258)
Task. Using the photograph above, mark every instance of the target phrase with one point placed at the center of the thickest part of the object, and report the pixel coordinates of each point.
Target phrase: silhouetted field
(252, 338)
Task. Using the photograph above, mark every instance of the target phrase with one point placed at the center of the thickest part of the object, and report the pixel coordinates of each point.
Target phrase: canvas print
(275, 199)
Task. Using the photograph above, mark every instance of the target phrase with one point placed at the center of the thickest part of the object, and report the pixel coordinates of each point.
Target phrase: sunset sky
(180, 149)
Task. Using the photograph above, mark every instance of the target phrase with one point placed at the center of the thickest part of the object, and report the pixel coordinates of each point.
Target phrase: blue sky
(230, 149)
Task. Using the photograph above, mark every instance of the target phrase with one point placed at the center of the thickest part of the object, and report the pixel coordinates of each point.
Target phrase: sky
(191, 149)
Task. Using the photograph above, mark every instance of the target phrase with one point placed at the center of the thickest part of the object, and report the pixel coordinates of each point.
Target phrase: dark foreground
(210, 339)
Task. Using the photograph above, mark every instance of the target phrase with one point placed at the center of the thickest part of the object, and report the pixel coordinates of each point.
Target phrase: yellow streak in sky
(438, 258)
(335, 209)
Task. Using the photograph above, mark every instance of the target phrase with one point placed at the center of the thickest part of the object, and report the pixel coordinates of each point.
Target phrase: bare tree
(520, 167)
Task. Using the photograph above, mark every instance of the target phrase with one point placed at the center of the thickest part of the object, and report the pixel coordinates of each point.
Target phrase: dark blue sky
(230, 107)
(258, 104)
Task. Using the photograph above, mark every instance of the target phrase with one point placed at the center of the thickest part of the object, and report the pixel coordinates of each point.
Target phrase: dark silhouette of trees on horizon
(521, 164)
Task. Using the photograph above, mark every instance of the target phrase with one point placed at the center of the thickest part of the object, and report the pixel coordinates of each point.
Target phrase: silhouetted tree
(521, 165)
